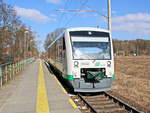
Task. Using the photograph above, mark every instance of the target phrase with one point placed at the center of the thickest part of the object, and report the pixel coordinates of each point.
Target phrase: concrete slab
(20, 94)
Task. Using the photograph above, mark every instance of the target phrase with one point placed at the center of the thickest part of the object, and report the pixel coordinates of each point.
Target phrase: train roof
(86, 29)
(79, 29)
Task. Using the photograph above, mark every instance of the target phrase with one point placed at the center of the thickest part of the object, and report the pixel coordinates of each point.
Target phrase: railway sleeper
(102, 103)
(97, 99)
(105, 106)
(111, 110)
(92, 97)
(120, 111)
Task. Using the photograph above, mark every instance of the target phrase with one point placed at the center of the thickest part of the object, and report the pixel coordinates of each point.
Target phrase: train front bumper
(81, 85)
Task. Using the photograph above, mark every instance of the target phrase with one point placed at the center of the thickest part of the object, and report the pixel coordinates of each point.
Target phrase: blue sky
(131, 18)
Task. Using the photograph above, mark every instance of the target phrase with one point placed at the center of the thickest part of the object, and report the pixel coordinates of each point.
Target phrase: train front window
(89, 45)
(91, 50)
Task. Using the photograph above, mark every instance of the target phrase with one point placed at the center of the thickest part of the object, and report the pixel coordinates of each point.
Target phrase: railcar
(84, 56)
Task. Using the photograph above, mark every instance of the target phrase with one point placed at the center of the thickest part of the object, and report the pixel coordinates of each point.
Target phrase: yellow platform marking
(72, 103)
(42, 101)
(64, 90)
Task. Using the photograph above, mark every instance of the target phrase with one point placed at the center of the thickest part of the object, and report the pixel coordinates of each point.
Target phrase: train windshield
(91, 47)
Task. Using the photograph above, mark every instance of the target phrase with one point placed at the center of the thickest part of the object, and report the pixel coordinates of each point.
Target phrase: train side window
(64, 45)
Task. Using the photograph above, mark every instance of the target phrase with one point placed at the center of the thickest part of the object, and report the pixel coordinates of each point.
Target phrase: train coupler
(95, 75)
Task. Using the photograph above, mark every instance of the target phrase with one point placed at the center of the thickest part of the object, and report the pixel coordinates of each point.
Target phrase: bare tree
(14, 40)
(132, 47)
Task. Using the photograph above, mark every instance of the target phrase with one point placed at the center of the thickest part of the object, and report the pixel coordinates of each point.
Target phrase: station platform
(35, 90)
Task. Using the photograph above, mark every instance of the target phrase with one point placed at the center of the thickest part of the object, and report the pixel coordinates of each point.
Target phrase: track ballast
(103, 103)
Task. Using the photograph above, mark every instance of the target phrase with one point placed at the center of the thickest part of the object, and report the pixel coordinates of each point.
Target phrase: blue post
(10, 71)
(1, 75)
(6, 74)
(13, 68)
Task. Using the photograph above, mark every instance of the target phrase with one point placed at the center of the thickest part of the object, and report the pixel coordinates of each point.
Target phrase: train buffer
(35, 90)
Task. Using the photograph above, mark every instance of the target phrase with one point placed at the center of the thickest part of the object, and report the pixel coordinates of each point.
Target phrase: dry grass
(133, 79)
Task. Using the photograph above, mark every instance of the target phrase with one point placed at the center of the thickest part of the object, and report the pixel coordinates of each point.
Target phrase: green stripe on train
(113, 76)
(69, 77)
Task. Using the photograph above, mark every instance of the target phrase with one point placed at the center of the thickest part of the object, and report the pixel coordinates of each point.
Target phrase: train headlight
(108, 64)
(76, 64)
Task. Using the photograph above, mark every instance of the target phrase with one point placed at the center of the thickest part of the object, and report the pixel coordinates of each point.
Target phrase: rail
(121, 103)
(10, 69)
(92, 109)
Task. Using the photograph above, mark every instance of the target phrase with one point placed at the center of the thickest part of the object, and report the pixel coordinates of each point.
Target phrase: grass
(133, 78)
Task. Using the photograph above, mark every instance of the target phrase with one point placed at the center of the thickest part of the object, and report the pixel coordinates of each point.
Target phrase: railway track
(103, 103)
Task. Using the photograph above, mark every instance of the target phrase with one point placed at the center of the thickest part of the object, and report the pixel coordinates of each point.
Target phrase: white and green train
(84, 57)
